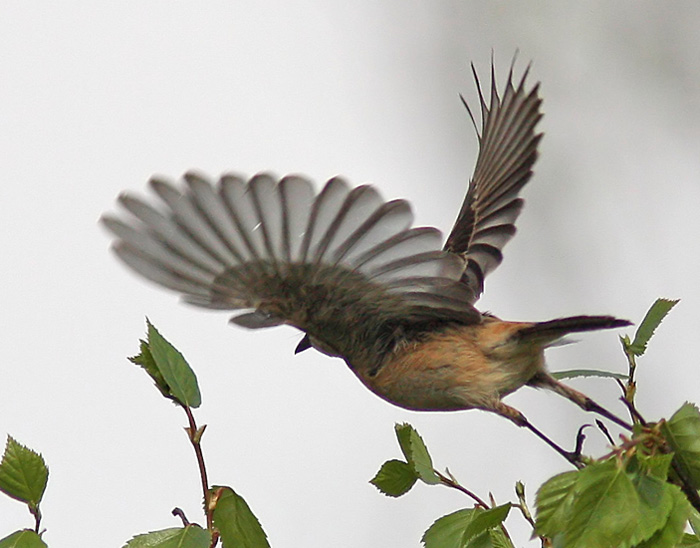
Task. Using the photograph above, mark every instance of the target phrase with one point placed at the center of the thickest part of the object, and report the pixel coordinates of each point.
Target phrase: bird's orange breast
(461, 367)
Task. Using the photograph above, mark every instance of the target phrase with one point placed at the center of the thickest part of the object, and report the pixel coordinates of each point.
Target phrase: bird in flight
(348, 269)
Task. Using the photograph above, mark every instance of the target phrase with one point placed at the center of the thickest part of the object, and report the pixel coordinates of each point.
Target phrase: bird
(349, 269)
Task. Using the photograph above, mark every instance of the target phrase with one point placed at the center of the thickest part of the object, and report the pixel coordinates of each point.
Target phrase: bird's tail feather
(553, 330)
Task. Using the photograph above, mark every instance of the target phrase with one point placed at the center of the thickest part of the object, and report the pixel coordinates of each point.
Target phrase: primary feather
(325, 263)
(342, 264)
(507, 152)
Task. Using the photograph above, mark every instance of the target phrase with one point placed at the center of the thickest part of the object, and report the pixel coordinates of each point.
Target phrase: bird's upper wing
(328, 263)
(507, 152)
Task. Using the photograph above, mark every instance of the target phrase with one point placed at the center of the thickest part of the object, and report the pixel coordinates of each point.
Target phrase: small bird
(348, 269)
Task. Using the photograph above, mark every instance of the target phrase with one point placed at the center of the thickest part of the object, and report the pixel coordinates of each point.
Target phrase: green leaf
(238, 526)
(23, 473)
(465, 528)
(651, 321)
(416, 453)
(499, 539)
(146, 361)
(25, 538)
(403, 434)
(394, 478)
(694, 520)
(489, 539)
(495, 538)
(571, 373)
(554, 501)
(654, 465)
(605, 510)
(672, 532)
(682, 431)
(176, 372)
(484, 520)
(190, 536)
(689, 541)
(448, 531)
(656, 503)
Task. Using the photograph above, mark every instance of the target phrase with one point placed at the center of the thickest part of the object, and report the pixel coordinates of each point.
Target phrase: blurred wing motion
(507, 152)
(326, 263)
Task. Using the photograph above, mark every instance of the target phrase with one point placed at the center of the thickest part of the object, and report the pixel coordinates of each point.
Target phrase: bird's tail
(553, 330)
(550, 332)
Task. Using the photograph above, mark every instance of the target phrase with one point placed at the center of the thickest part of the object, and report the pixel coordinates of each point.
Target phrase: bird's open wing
(327, 263)
(507, 152)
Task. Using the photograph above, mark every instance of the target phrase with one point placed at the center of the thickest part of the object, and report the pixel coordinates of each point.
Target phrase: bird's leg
(512, 414)
(545, 380)
(587, 404)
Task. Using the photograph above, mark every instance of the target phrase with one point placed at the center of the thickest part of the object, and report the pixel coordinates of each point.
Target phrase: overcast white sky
(95, 97)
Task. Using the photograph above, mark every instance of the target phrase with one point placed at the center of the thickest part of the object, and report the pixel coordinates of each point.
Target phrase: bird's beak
(304, 344)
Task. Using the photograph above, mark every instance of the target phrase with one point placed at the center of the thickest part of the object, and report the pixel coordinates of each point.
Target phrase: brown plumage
(347, 269)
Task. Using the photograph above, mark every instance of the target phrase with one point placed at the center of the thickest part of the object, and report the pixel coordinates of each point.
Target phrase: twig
(37, 517)
(451, 482)
(454, 484)
(633, 411)
(622, 386)
(195, 436)
(522, 506)
(630, 389)
(604, 429)
(686, 485)
(179, 512)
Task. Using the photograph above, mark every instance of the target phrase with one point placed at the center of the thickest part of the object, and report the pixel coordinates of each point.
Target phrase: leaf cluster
(616, 502)
(23, 477)
(396, 477)
(641, 495)
(630, 499)
(168, 368)
(234, 525)
(229, 519)
(652, 319)
(635, 497)
(478, 527)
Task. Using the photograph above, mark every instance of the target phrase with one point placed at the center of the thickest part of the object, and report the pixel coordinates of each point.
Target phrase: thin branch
(633, 411)
(195, 436)
(34, 511)
(451, 482)
(604, 429)
(631, 388)
(632, 363)
(180, 513)
(622, 386)
(520, 493)
(687, 485)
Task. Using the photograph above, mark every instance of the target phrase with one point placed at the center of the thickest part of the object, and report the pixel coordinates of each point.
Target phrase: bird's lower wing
(281, 253)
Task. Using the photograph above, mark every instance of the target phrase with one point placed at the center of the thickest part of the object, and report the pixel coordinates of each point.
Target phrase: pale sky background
(95, 97)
